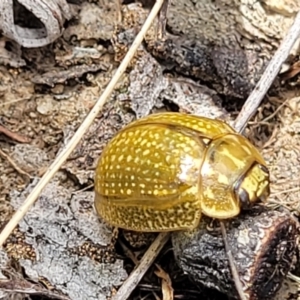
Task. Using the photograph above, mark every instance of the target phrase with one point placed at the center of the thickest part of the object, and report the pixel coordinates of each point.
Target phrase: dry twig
(14, 165)
(251, 105)
(14, 135)
(234, 272)
(134, 278)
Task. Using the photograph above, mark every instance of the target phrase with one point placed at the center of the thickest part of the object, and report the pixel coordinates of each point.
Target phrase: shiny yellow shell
(161, 172)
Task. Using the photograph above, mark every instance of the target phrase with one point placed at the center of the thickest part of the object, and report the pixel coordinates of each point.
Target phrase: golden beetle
(161, 172)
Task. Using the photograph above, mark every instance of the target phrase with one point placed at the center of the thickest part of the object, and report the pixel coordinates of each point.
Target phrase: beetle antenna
(234, 272)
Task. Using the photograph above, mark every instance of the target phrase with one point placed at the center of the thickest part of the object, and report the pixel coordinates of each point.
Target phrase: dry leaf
(166, 284)
(293, 71)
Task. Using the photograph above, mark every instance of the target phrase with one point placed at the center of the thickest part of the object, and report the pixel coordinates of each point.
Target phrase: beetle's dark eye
(244, 198)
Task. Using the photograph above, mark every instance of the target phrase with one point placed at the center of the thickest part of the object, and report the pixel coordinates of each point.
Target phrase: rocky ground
(46, 92)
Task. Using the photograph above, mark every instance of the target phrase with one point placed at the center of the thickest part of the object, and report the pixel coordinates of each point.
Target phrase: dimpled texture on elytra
(147, 176)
